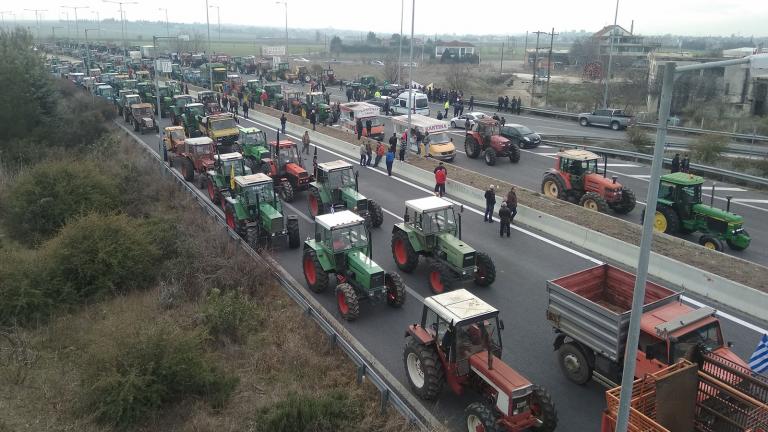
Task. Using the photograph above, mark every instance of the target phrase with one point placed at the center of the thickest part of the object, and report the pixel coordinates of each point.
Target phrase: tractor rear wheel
(485, 273)
(255, 237)
(627, 203)
(574, 363)
(187, 170)
(514, 153)
(286, 191)
(229, 216)
(544, 410)
(315, 203)
(346, 299)
(405, 256)
(472, 147)
(316, 277)
(377, 214)
(665, 220)
(490, 156)
(395, 289)
(439, 277)
(711, 242)
(553, 186)
(593, 201)
(480, 417)
(213, 193)
(294, 238)
(423, 369)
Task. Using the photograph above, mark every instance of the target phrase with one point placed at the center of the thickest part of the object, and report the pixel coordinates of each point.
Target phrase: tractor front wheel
(213, 193)
(490, 157)
(543, 409)
(711, 242)
(514, 153)
(472, 147)
(593, 201)
(316, 277)
(377, 214)
(405, 256)
(423, 369)
(627, 203)
(315, 203)
(439, 278)
(485, 271)
(286, 191)
(480, 417)
(553, 186)
(346, 299)
(294, 238)
(188, 170)
(395, 289)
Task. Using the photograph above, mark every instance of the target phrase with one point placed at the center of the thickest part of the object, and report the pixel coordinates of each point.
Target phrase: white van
(419, 100)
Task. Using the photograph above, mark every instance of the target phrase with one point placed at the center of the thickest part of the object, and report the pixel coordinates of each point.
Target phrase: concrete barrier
(720, 290)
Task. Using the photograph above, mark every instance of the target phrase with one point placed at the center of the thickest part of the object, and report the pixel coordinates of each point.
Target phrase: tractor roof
(334, 165)
(489, 121)
(248, 130)
(283, 143)
(682, 178)
(458, 305)
(199, 140)
(196, 104)
(252, 179)
(428, 204)
(316, 93)
(172, 128)
(339, 220)
(220, 116)
(577, 154)
(229, 156)
(141, 105)
(184, 96)
(253, 81)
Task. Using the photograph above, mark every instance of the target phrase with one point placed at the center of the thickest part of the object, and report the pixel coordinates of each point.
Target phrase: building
(626, 45)
(457, 49)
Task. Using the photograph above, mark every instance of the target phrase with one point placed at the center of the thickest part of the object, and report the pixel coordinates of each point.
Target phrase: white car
(377, 63)
(301, 60)
(414, 64)
(460, 121)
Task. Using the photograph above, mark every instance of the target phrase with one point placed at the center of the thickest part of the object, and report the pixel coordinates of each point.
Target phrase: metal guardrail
(365, 367)
(670, 144)
(700, 169)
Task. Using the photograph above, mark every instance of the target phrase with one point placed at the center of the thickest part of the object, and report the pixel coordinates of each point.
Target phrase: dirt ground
(735, 269)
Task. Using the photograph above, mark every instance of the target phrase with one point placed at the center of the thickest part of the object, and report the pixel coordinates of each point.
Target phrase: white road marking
(724, 189)
(637, 176)
(750, 200)
(614, 165)
(544, 146)
(544, 154)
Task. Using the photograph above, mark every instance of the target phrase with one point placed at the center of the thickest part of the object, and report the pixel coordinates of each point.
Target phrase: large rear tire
(187, 170)
(485, 273)
(665, 220)
(395, 289)
(423, 369)
(286, 192)
(480, 417)
(471, 147)
(553, 186)
(574, 363)
(544, 409)
(316, 278)
(405, 256)
(347, 302)
(593, 201)
(627, 203)
(294, 238)
(376, 212)
(514, 153)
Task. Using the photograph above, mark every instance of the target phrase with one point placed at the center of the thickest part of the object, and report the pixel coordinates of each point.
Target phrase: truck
(148, 51)
(350, 112)
(616, 119)
(441, 145)
(221, 128)
(589, 311)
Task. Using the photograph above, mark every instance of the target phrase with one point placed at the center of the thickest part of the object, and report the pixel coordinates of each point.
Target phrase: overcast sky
(681, 17)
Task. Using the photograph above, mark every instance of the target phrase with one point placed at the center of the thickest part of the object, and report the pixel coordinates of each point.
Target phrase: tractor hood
(360, 262)
(717, 213)
(297, 170)
(448, 240)
(148, 121)
(499, 140)
(354, 198)
(271, 218)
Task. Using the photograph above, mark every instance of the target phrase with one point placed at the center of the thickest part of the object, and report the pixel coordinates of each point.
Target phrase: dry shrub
(322, 413)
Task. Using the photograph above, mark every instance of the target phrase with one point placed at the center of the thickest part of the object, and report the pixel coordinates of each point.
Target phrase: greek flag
(759, 360)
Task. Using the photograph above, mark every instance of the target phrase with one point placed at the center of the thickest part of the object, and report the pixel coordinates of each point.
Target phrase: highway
(524, 262)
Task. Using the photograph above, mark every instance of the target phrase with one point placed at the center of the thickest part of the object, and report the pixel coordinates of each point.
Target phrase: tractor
(197, 157)
(319, 102)
(125, 102)
(219, 127)
(190, 117)
(342, 246)
(430, 228)
(208, 99)
(458, 342)
(255, 213)
(577, 178)
(177, 107)
(142, 118)
(274, 95)
(484, 137)
(220, 179)
(336, 188)
(173, 138)
(166, 99)
(286, 168)
(302, 74)
(329, 77)
(679, 210)
(253, 145)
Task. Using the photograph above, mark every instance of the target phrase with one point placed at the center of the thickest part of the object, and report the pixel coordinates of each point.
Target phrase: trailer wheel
(480, 417)
(544, 410)
(574, 363)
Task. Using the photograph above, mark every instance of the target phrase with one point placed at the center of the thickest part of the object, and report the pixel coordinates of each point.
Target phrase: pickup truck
(613, 118)
(589, 311)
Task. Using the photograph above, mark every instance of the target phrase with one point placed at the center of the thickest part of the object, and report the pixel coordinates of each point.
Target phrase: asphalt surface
(523, 262)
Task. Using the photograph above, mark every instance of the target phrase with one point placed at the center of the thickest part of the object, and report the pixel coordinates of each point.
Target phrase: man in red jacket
(441, 175)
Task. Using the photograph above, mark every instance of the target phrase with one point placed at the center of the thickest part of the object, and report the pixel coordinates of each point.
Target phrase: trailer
(350, 112)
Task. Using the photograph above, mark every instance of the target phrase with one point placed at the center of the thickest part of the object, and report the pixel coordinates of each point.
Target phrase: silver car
(460, 121)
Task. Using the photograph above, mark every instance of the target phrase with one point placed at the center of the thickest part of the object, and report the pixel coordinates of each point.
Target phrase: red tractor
(484, 138)
(286, 169)
(196, 156)
(459, 342)
(576, 177)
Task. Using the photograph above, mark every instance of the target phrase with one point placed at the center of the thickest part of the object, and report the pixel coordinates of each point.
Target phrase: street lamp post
(285, 3)
(610, 56)
(671, 71)
(98, 21)
(88, 50)
(122, 21)
(37, 20)
(167, 29)
(208, 24)
(400, 50)
(218, 18)
(75, 8)
(411, 103)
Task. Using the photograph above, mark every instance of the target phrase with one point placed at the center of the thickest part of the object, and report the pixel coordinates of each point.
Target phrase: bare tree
(390, 68)
(456, 77)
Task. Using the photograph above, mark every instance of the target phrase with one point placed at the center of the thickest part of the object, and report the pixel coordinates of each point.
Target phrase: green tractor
(430, 229)
(177, 107)
(190, 119)
(319, 102)
(679, 210)
(336, 188)
(221, 179)
(166, 100)
(254, 212)
(342, 246)
(253, 145)
(274, 95)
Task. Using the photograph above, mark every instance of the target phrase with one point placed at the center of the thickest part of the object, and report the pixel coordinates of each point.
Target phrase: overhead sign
(272, 51)
(163, 65)
(184, 37)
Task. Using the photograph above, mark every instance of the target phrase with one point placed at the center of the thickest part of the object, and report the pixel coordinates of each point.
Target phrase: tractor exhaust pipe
(712, 196)
(614, 178)
(605, 166)
(728, 206)
(357, 184)
(459, 226)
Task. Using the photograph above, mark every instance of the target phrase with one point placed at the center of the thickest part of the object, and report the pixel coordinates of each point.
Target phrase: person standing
(380, 150)
(403, 146)
(263, 97)
(499, 103)
(471, 103)
(368, 152)
(245, 109)
(441, 175)
(393, 142)
(490, 203)
(283, 120)
(359, 128)
(390, 160)
(445, 107)
(467, 125)
(505, 217)
(512, 204)
(363, 155)
(313, 119)
(506, 103)
(349, 94)
(225, 103)
(425, 141)
(368, 127)
(386, 107)
(676, 163)
(519, 105)
(685, 165)
(305, 142)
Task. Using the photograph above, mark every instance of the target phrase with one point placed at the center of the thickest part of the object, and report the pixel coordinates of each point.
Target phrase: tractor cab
(286, 153)
(142, 76)
(173, 137)
(165, 91)
(577, 164)
(431, 217)
(206, 96)
(340, 233)
(194, 110)
(486, 128)
(253, 86)
(251, 137)
(254, 190)
(180, 101)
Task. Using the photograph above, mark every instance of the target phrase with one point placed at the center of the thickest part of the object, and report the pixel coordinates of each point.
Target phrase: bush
(709, 148)
(297, 413)
(639, 140)
(42, 200)
(22, 298)
(96, 256)
(160, 367)
(229, 316)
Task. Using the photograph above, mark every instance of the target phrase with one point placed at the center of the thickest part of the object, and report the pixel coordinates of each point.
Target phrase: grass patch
(322, 413)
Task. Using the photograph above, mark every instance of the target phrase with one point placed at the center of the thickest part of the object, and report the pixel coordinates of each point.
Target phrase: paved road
(524, 262)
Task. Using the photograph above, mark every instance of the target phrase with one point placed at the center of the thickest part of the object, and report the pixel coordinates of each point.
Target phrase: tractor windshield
(200, 149)
(472, 338)
(182, 102)
(177, 134)
(262, 192)
(289, 155)
(237, 163)
(690, 194)
(228, 123)
(139, 112)
(439, 221)
(580, 167)
(708, 336)
(340, 178)
(348, 238)
(196, 110)
(254, 139)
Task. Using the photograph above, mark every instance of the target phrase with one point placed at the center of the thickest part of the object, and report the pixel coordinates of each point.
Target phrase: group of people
(507, 212)
(381, 152)
(514, 105)
(683, 165)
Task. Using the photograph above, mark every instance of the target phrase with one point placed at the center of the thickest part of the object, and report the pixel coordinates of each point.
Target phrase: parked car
(377, 63)
(459, 122)
(613, 118)
(301, 60)
(381, 101)
(520, 135)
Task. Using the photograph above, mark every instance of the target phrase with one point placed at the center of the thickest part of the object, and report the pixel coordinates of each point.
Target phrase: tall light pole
(37, 19)
(88, 50)
(2, 16)
(69, 30)
(98, 21)
(218, 18)
(208, 23)
(285, 3)
(167, 30)
(75, 8)
(411, 103)
(122, 21)
(400, 50)
(610, 56)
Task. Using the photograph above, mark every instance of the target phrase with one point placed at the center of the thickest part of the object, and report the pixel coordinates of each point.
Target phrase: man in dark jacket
(505, 217)
(512, 204)
(313, 119)
(283, 120)
(685, 165)
(368, 127)
(676, 163)
(393, 142)
(490, 202)
(359, 127)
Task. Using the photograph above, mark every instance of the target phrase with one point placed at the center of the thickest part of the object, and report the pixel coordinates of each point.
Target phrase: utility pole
(98, 20)
(75, 8)
(411, 102)
(400, 51)
(122, 21)
(610, 56)
(167, 30)
(535, 61)
(209, 53)
(285, 3)
(88, 51)
(549, 64)
(218, 19)
(53, 31)
(37, 20)
(2, 16)
(501, 63)
(525, 50)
